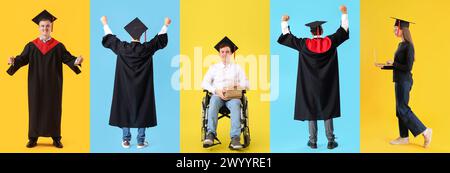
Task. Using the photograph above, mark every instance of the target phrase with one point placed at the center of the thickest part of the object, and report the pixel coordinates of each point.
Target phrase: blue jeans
(234, 105)
(127, 135)
(407, 120)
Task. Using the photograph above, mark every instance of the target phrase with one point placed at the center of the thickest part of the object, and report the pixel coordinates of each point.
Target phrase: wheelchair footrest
(208, 146)
(214, 144)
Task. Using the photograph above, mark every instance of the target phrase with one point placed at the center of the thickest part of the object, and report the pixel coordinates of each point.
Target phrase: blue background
(288, 135)
(165, 136)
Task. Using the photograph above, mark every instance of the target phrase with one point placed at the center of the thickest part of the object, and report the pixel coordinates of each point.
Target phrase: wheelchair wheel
(245, 122)
(204, 120)
(246, 134)
(203, 136)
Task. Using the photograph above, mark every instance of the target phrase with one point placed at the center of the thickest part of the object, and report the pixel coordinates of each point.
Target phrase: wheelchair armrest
(207, 92)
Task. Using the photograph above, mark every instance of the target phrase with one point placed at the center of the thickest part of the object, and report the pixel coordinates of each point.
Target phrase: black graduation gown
(317, 96)
(45, 80)
(133, 103)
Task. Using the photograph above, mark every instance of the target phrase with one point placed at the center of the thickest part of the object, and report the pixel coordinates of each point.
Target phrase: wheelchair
(225, 112)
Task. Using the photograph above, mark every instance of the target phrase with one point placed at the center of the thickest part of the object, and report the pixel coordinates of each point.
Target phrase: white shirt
(344, 24)
(221, 76)
(107, 30)
(45, 40)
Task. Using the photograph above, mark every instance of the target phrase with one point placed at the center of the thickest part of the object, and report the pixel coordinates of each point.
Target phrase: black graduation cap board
(44, 15)
(135, 28)
(228, 42)
(402, 23)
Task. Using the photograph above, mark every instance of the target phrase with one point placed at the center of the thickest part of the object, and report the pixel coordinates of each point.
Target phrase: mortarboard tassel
(317, 31)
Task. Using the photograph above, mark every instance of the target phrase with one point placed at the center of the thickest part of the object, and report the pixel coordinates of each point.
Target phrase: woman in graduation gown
(44, 57)
(402, 66)
(133, 104)
(317, 96)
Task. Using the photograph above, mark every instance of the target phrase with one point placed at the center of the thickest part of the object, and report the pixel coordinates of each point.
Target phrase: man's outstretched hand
(167, 21)
(285, 18)
(343, 9)
(104, 20)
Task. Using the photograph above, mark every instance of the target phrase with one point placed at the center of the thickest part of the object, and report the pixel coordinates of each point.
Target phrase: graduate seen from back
(44, 57)
(133, 103)
(317, 96)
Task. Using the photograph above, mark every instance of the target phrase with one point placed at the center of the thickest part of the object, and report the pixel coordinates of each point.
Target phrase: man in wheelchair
(223, 81)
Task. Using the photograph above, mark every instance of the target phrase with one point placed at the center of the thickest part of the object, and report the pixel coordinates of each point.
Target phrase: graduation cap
(228, 42)
(135, 28)
(401, 23)
(316, 26)
(44, 15)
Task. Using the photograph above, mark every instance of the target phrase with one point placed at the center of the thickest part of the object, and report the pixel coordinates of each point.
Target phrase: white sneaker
(427, 137)
(126, 144)
(140, 146)
(400, 141)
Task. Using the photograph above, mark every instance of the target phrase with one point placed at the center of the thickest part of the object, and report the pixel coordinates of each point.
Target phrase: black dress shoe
(312, 145)
(57, 144)
(31, 143)
(332, 145)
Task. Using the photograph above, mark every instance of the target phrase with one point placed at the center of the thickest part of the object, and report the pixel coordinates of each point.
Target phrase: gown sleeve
(388, 67)
(20, 60)
(112, 42)
(291, 41)
(339, 36)
(69, 60)
(158, 42)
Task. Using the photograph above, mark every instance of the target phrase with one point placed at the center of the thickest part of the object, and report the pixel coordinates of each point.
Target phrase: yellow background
(203, 24)
(431, 73)
(72, 29)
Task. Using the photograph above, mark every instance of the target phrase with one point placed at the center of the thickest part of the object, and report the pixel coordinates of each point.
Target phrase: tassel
(317, 31)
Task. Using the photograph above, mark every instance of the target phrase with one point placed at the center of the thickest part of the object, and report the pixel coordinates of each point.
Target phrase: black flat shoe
(31, 144)
(57, 144)
(332, 145)
(312, 145)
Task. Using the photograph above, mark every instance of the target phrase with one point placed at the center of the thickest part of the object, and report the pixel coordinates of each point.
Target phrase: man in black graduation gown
(133, 104)
(317, 96)
(44, 57)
